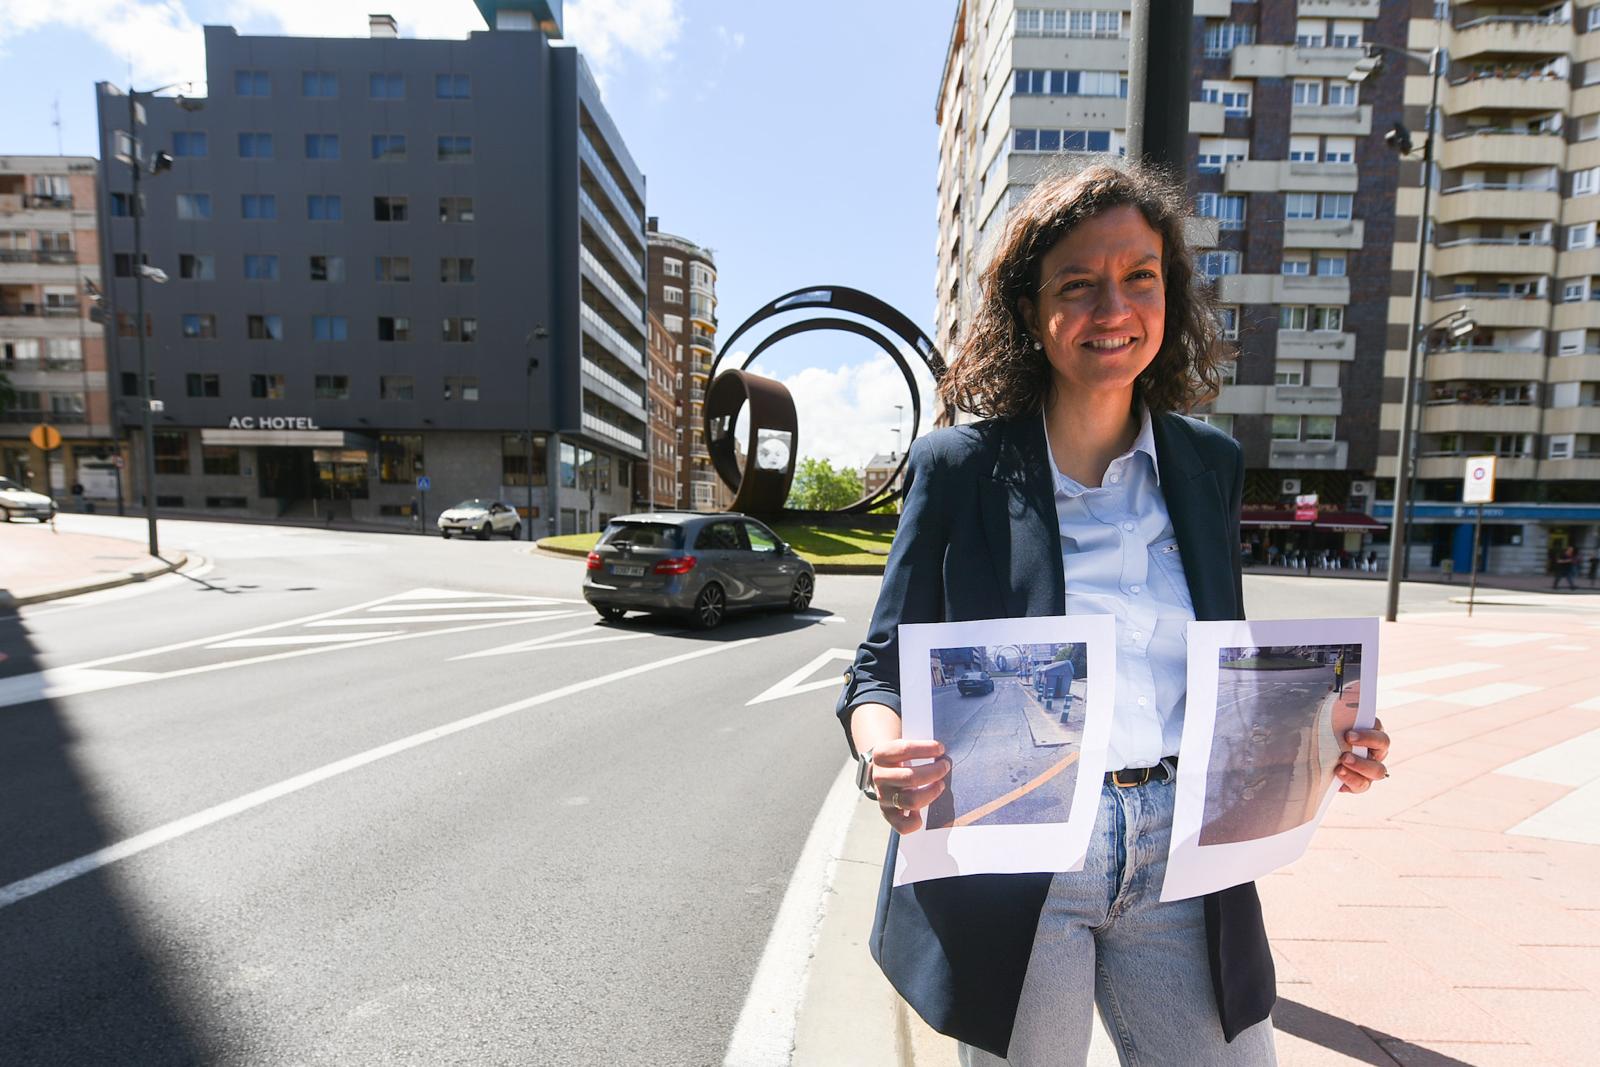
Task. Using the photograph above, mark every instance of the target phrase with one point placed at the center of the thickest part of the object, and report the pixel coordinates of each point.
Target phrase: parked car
(971, 682)
(695, 565)
(17, 502)
(481, 517)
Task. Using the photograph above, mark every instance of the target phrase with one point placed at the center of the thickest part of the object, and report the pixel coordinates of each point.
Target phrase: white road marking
(1502, 638)
(63, 681)
(459, 616)
(1573, 762)
(585, 641)
(1433, 674)
(1575, 817)
(555, 640)
(795, 683)
(458, 594)
(764, 1034)
(1592, 704)
(34, 884)
(302, 639)
(450, 605)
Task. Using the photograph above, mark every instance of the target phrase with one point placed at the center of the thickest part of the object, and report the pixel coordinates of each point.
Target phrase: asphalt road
(490, 829)
(999, 775)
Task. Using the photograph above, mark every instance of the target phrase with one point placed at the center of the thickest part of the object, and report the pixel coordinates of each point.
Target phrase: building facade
(683, 292)
(879, 472)
(51, 353)
(655, 478)
(400, 273)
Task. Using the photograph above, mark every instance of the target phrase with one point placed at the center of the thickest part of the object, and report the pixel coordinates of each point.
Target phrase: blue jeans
(1106, 939)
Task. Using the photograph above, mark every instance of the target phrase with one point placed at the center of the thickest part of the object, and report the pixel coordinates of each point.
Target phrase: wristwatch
(864, 775)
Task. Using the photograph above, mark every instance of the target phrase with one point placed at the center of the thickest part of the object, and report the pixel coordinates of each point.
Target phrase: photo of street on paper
(1011, 719)
(1282, 713)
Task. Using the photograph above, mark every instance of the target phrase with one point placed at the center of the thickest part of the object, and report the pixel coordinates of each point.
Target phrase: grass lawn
(870, 547)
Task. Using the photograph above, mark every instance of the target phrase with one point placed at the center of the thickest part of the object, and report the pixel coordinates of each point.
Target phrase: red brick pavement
(36, 559)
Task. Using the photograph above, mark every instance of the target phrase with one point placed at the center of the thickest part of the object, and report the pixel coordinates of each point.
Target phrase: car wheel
(800, 596)
(445, 534)
(484, 531)
(710, 607)
(516, 532)
(7, 513)
(611, 614)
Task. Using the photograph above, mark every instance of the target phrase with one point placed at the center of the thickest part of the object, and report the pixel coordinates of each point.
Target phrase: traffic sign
(1477, 483)
(423, 483)
(1305, 507)
(45, 436)
(119, 462)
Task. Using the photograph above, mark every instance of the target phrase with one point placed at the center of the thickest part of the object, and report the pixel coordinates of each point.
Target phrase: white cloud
(847, 414)
(157, 38)
(607, 31)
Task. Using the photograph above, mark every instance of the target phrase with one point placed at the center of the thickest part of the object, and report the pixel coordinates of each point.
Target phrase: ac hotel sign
(272, 422)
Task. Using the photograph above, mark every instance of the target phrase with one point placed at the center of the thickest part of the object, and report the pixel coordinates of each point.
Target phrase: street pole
(539, 334)
(1159, 62)
(1477, 532)
(138, 328)
(1399, 531)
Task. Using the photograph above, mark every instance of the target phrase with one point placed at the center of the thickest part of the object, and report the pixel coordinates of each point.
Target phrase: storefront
(1516, 538)
(1336, 539)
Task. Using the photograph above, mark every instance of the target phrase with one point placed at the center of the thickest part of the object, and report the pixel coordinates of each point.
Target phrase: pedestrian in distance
(1083, 490)
(1566, 567)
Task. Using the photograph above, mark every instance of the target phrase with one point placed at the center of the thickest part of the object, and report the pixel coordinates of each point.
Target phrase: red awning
(1327, 520)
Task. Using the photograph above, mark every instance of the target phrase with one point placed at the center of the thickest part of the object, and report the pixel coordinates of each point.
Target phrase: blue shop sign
(1384, 510)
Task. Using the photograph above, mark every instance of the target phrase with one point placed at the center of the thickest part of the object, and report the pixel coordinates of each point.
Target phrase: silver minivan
(695, 565)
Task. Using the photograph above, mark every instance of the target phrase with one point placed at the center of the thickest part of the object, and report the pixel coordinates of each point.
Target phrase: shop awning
(1283, 518)
(211, 435)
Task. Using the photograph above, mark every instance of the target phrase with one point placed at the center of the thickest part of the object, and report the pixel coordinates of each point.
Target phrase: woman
(1083, 492)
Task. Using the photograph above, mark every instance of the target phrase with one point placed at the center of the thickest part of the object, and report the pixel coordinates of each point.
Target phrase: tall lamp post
(539, 334)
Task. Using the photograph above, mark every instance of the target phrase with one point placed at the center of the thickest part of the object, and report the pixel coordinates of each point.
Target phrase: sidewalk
(38, 564)
(1451, 916)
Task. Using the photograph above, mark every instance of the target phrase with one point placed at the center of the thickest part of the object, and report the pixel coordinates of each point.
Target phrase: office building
(400, 273)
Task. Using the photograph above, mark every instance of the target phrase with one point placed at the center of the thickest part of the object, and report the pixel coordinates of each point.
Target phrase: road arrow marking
(794, 684)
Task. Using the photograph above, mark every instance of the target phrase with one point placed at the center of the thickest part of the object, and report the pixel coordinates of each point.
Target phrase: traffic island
(41, 564)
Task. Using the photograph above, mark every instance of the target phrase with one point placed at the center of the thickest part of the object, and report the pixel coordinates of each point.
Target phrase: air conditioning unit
(1291, 487)
(1362, 489)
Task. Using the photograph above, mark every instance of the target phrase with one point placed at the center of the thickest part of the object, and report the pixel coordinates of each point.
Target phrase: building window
(263, 327)
(387, 85)
(452, 86)
(1300, 206)
(1289, 372)
(1582, 235)
(1217, 152)
(331, 387)
(201, 385)
(319, 83)
(1336, 205)
(1295, 263)
(672, 268)
(199, 327)
(1307, 94)
(394, 328)
(1226, 208)
(456, 209)
(267, 387)
(171, 451)
(1217, 263)
(460, 330)
(1584, 181)
(672, 323)
(454, 148)
(1346, 33)
(1330, 264)
(1343, 93)
(329, 328)
(1233, 96)
(1069, 83)
(389, 147)
(122, 264)
(389, 209)
(258, 206)
(569, 466)
(399, 458)
(1339, 149)
(1286, 427)
(464, 389)
(391, 269)
(1228, 321)
(671, 295)
(252, 83)
(514, 460)
(255, 146)
(122, 205)
(1319, 427)
(454, 270)
(1327, 319)
(125, 327)
(396, 387)
(189, 144)
(1221, 37)
(194, 206)
(197, 267)
(322, 146)
(219, 459)
(1311, 33)
(1304, 149)
(327, 268)
(324, 207)
(260, 268)
(1036, 140)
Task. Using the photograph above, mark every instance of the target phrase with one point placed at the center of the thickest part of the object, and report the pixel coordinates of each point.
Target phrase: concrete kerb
(60, 590)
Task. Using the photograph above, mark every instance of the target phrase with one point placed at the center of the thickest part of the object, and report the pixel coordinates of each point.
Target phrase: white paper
(1267, 709)
(1024, 786)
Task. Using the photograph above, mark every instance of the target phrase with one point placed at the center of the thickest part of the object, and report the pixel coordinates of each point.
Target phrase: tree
(818, 487)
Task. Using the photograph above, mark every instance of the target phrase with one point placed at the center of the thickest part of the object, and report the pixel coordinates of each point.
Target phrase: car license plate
(628, 570)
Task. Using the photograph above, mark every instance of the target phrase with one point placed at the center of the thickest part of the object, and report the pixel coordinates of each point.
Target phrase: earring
(1038, 345)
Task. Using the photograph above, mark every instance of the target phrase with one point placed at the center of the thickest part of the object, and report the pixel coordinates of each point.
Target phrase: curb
(820, 568)
(94, 585)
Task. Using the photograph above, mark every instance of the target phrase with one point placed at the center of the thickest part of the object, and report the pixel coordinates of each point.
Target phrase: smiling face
(1100, 309)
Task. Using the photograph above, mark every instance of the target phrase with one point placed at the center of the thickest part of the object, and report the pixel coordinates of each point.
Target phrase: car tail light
(675, 565)
(594, 561)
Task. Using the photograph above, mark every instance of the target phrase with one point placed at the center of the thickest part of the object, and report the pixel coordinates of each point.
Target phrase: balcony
(1292, 61)
(33, 416)
(1579, 315)
(1335, 120)
(595, 424)
(1316, 344)
(1577, 368)
(1500, 34)
(1269, 176)
(620, 200)
(1579, 209)
(613, 289)
(626, 396)
(1499, 200)
(608, 338)
(1323, 233)
(1485, 364)
(614, 242)
(1573, 420)
(1338, 9)
(701, 339)
(37, 272)
(1305, 400)
(1453, 417)
(1580, 467)
(1205, 118)
(1578, 263)
(1497, 255)
(28, 255)
(1520, 91)
(1453, 464)
(1504, 310)
(1308, 455)
(12, 203)
(1283, 289)
(1497, 147)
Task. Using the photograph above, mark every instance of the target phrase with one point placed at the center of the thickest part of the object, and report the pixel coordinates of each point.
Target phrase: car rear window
(643, 535)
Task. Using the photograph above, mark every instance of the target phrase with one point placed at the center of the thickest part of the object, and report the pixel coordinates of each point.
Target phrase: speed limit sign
(1477, 483)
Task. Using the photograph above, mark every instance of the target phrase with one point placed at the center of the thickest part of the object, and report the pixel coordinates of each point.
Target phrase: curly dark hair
(998, 373)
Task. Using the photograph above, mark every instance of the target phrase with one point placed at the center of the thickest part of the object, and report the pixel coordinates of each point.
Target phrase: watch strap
(864, 775)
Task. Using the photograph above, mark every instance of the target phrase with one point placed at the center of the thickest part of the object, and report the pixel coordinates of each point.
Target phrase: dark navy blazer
(979, 539)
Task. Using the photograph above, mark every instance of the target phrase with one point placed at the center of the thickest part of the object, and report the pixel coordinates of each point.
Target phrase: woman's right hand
(903, 790)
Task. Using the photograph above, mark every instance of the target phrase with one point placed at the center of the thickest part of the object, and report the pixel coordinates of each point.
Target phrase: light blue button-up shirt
(1121, 559)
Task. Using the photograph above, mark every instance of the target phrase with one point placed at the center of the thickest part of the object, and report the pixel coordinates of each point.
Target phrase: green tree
(818, 487)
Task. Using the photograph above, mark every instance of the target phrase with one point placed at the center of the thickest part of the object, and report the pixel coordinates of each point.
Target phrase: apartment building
(879, 472)
(1516, 199)
(51, 354)
(387, 260)
(683, 292)
(655, 477)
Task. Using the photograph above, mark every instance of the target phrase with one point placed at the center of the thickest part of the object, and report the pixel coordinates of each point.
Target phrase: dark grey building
(362, 240)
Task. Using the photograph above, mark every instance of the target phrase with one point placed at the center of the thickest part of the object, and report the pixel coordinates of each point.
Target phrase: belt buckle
(1116, 778)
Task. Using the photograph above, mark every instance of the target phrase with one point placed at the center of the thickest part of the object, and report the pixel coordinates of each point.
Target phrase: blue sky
(796, 140)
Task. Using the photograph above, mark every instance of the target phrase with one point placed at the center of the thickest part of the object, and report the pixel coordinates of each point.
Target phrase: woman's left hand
(1357, 773)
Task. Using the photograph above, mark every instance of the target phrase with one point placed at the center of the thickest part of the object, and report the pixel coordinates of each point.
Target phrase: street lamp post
(539, 334)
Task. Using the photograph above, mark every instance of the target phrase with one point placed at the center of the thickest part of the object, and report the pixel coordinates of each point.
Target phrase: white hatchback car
(481, 517)
(17, 502)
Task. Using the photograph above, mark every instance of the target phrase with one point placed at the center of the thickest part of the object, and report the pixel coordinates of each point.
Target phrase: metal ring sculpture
(762, 487)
